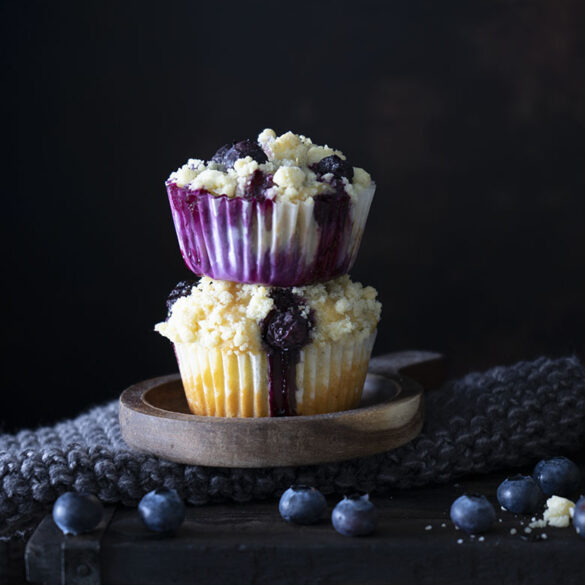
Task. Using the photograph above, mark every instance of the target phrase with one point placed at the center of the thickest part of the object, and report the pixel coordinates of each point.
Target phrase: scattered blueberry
(76, 513)
(228, 154)
(182, 289)
(473, 513)
(335, 165)
(355, 516)
(520, 494)
(558, 476)
(579, 517)
(302, 505)
(162, 510)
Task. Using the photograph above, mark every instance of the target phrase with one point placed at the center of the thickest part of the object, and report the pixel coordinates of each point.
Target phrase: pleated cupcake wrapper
(330, 377)
(263, 241)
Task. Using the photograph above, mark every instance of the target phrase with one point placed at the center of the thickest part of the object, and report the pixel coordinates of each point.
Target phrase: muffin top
(287, 167)
(237, 317)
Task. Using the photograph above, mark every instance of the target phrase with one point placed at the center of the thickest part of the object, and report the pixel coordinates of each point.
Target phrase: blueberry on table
(558, 476)
(335, 165)
(162, 510)
(302, 505)
(579, 517)
(355, 516)
(473, 513)
(520, 494)
(76, 513)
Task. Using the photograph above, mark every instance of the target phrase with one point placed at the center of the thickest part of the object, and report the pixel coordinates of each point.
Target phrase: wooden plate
(154, 418)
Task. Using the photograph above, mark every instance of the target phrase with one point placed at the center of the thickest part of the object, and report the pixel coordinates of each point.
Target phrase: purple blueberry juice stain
(332, 214)
(281, 382)
(285, 331)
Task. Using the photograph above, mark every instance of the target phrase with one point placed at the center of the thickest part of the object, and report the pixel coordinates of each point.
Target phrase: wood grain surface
(415, 543)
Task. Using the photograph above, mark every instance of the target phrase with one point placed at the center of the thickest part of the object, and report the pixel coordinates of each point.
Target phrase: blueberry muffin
(249, 350)
(279, 211)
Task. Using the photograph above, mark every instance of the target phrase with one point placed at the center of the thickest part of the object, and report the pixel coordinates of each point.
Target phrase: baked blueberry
(288, 326)
(182, 289)
(579, 517)
(220, 153)
(302, 505)
(473, 513)
(288, 330)
(162, 510)
(258, 184)
(228, 154)
(520, 494)
(558, 476)
(355, 516)
(335, 165)
(76, 513)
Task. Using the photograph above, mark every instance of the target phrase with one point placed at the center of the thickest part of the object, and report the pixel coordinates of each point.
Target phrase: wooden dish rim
(134, 398)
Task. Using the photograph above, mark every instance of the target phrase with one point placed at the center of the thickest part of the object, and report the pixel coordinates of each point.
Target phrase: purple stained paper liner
(263, 241)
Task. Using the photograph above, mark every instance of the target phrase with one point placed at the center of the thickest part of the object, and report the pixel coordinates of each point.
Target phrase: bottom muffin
(252, 351)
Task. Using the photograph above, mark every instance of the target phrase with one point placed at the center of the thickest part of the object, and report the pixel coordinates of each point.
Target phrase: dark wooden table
(249, 543)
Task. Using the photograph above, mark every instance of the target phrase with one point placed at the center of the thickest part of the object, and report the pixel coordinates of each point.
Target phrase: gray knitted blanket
(503, 418)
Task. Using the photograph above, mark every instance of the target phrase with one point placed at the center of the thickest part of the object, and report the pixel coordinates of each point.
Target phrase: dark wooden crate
(250, 543)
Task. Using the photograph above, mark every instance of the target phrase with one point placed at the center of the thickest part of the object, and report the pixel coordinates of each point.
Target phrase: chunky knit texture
(506, 417)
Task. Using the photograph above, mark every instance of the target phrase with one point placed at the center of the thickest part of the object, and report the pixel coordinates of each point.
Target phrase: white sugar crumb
(499, 519)
(528, 530)
(460, 541)
(558, 513)
(342, 309)
(443, 525)
(544, 536)
(513, 531)
(481, 538)
(428, 527)
(227, 315)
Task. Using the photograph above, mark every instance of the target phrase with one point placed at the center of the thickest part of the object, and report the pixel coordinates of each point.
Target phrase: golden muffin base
(330, 377)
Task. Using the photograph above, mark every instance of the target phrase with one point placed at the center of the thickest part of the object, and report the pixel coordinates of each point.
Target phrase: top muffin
(277, 211)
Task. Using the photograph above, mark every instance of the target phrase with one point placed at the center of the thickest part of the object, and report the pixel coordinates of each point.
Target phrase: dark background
(469, 115)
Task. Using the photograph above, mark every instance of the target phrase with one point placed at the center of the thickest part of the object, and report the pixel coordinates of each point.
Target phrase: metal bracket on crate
(80, 555)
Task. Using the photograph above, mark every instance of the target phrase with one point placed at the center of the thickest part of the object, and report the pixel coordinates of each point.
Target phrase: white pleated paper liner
(329, 378)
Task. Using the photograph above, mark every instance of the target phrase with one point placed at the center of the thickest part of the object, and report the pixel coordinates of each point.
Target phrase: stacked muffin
(274, 327)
